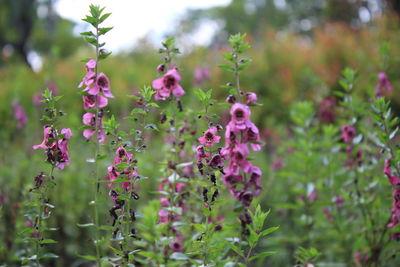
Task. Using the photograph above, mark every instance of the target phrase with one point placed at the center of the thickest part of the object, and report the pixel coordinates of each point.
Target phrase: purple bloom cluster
(97, 90)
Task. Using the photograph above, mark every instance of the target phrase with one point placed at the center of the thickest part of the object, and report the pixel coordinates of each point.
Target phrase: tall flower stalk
(241, 177)
(55, 146)
(96, 91)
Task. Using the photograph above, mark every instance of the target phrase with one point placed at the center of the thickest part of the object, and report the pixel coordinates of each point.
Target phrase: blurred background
(299, 49)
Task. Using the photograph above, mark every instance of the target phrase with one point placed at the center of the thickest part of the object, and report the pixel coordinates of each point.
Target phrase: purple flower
(327, 110)
(89, 120)
(47, 134)
(88, 80)
(383, 84)
(176, 246)
(240, 115)
(89, 101)
(168, 84)
(251, 98)
(348, 133)
(209, 138)
(395, 182)
(102, 85)
(19, 115)
(63, 156)
(201, 74)
(327, 213)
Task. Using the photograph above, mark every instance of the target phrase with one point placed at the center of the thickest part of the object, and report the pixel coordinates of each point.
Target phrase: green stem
(97, 189)
(40, 212)
(237, 77)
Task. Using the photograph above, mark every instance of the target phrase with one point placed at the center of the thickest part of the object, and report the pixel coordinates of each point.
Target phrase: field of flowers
(275, 152)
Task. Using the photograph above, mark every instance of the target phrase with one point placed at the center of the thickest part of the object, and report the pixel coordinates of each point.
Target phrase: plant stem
(39, 222)
(97, 189)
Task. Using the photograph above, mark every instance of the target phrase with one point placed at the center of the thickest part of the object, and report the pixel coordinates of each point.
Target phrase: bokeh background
(299, 49)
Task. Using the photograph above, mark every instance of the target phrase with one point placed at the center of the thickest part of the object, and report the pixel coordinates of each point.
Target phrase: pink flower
(327, 213)
(164, 215)
(339, 201)
(348, 133)
(216, 161)
(102, 85)
(164, 202)
(176, 246)
(88, 80)
(277, 165)
(251, 98)
(209, 138)
(255, 180)
(327, 110)
(89, 120)
(201, 153)
(168, 84)
(89, 101)
(395, 182)
(179, 187)
(47, 134)
(112, 174)
(122, 156)
(19, 115)
(240, 118)
(312, 196)
(383, 84)
(63, 156)
(253, 135)
(201, 74)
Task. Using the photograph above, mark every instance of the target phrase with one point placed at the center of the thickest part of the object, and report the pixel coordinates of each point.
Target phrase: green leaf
(91, 40)
(122, 165)
(87, 257)
(104, 17)
(262, 255)
(269, 230)
(48, 241)
(152, 105)
(178, 256)
(89, 34)
(226, 67)
(49, 255)
(106, 228)
(235, 248)
(104, 55)
(104, 30)
(84, 225)
(151, 126)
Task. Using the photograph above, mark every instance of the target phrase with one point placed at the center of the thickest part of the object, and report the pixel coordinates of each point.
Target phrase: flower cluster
(395, 182)
(383, 84)
(327, 110)
(168, 84)
(166, 215)
(240, 132)
(19, 115)
(56, 146)
(354, 157)
(204, 152)
(130, 173)
(96, 91)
